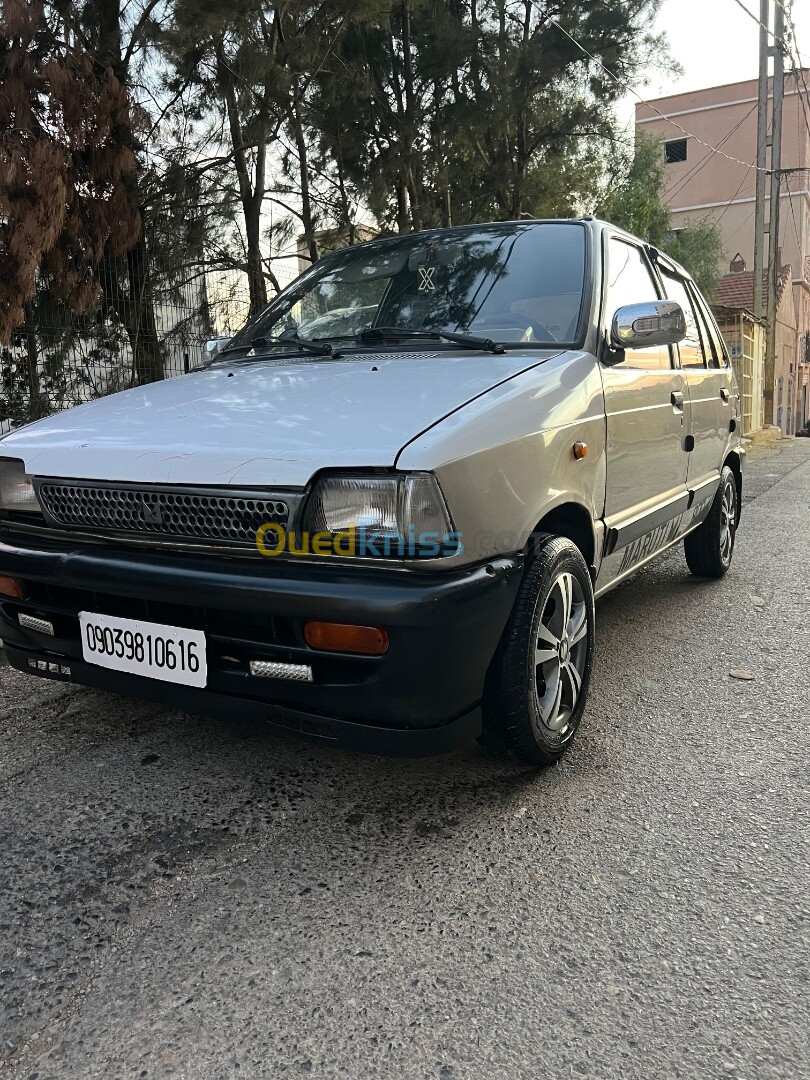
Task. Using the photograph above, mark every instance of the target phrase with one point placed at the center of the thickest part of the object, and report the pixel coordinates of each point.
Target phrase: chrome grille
(192, 515)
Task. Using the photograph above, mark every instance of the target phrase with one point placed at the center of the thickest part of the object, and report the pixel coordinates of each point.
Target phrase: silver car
(379, 516)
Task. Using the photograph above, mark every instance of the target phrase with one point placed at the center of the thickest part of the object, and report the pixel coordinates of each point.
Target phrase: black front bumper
(421, 697)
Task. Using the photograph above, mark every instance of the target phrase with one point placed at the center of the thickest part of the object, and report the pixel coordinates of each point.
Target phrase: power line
(792, 211)
(798, 67)
(785, 43)
(742, 225)
(798, 72)
(731, 200)
(759, 22)
(626, 86)
(707, 158)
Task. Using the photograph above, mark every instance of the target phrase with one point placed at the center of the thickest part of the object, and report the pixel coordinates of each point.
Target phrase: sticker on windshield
(427, 278)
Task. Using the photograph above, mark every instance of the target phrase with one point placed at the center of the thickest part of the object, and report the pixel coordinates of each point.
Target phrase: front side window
(510, 283)
(630, 281)
(691, 349)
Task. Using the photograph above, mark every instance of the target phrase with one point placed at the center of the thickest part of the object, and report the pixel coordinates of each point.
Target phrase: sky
(715, 42)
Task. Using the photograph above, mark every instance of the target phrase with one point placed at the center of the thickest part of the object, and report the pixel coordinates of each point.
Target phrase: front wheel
(710, 547)
(537, 686)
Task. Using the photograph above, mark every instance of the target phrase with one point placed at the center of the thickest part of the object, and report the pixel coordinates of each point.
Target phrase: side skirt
(638, 566)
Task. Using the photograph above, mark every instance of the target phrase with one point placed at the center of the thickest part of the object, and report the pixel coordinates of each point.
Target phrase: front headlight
(16, 487)
(399, 515)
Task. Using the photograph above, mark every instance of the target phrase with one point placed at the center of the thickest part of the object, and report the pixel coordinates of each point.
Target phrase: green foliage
(699, 248)
(634, 201)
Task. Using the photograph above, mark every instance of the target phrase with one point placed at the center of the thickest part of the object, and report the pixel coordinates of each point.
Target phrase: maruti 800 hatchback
(379, 516)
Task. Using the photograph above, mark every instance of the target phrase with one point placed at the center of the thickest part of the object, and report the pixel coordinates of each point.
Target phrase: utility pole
(769, 135)
(773, 219)
(762, 145)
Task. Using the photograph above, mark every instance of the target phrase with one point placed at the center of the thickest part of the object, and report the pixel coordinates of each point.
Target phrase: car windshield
(508, 283)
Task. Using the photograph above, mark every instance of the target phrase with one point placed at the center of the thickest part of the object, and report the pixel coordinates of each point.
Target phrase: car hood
(267, 423)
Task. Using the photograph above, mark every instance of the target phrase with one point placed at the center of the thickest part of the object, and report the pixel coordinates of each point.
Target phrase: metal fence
(135, 331)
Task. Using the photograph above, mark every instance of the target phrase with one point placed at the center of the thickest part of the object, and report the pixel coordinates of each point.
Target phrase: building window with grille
(675, 150)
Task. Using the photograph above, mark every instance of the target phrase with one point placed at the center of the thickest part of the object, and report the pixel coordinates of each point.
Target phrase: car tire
(537, 685)
(710, 548)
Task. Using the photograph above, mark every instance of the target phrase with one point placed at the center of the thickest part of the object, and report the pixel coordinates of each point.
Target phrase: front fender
(505, 460)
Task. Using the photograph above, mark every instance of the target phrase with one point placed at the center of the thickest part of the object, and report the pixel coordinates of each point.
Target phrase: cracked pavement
(182, 899)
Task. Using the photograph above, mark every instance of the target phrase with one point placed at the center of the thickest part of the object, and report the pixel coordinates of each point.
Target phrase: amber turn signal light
(343, 637)
(9, 586)
(580, 450)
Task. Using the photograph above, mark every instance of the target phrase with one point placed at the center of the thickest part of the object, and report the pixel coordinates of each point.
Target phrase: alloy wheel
(560, 655)
(728, 520)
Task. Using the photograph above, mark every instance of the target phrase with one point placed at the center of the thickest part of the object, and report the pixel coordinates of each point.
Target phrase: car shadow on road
(166, 747)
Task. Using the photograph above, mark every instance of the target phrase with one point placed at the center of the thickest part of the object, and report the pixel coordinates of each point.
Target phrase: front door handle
(676, 397)
(725, 395)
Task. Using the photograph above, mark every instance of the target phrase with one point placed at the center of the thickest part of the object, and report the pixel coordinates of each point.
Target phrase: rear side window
(716, 352)
(630, 281)
(691, 348)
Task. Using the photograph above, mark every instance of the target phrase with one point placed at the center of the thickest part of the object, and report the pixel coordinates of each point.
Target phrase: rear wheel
(538, 684)
(709, 549)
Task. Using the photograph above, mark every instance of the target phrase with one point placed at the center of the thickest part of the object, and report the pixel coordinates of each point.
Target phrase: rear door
(709, 407)
(645, 401)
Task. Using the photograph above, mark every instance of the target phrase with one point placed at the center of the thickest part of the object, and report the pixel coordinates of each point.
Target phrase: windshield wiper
(314, 347)
(468, 341)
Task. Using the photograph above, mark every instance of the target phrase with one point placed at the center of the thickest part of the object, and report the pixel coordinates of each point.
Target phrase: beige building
(702, 184)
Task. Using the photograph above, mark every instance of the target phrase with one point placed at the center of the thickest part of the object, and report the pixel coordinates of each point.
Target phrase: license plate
(154, 650)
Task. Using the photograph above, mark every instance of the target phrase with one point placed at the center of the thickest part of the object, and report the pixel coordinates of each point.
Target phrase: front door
(645, 406)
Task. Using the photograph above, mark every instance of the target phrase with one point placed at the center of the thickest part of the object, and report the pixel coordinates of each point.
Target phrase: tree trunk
(138, 311)
(346, 214)
(139, 318)
(37, 406)
(251, 197)
(257, 286)
(307, 222)
(403, 221)
(475, 58)
(409, 126)
(109, 50)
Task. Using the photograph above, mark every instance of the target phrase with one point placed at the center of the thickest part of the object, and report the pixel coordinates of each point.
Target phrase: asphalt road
(177, 899)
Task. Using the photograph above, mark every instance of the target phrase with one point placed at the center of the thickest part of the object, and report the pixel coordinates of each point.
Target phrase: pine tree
(462, 112)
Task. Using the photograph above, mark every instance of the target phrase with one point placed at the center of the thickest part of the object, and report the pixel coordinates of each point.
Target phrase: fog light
(31, 622)
(9, 586)
(343, 637)
(272, 669)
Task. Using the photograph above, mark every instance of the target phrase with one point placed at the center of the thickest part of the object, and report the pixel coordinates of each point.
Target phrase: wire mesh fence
(140, 329)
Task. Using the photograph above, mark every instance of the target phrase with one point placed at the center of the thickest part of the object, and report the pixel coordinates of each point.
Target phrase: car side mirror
(643, 326)
(215, 345)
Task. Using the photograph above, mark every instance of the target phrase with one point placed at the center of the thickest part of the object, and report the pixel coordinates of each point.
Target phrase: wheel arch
(573, 521)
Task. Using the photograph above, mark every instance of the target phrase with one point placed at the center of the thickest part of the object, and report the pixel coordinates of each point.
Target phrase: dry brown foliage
(65, 176)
